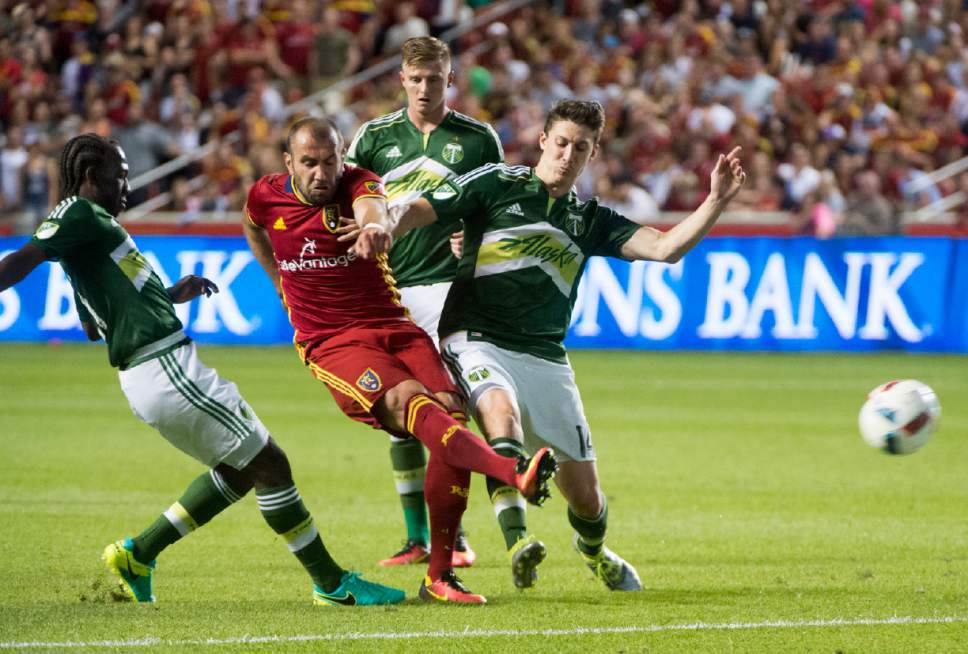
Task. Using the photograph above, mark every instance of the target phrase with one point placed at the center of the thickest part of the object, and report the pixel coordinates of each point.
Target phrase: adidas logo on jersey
(514, 210)
(393, 153)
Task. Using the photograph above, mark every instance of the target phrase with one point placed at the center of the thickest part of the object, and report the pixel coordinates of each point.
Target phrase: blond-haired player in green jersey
(414, 149)
(527, 240)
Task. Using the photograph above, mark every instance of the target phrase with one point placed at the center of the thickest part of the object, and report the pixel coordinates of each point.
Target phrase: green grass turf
(737, 483)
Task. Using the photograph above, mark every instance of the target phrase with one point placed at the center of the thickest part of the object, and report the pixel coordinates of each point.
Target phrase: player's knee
(392, 408)
(270, 467)
(497, 413)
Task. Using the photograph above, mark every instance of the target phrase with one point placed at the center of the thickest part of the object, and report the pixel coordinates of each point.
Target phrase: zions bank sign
(728, 293)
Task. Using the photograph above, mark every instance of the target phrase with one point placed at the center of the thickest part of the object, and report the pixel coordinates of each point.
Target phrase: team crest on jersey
(444, 192)
(478, 374)
(331, 217)
(46, 230)
(369, 381)
(452, 153)
(373, 187)
(575, 223)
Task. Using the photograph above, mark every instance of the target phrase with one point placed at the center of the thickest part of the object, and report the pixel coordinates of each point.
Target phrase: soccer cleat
(533, 475)
(356, 591)
(525, 556)
(134, 577)
(412, 552)
(448, 589)
(463, 556)
(614, 571)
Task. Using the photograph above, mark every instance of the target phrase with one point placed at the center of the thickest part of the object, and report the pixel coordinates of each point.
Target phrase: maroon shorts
(360, 365)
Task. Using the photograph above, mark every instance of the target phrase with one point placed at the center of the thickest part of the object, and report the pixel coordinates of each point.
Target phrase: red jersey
(327, 288)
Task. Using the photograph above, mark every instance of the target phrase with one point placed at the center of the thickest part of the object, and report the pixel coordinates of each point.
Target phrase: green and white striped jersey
(524, 253)
(114, 286)
(411, 162)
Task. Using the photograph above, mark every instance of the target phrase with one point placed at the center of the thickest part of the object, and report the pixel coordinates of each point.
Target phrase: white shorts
(195, 410)
(424, 304)
(545, 393)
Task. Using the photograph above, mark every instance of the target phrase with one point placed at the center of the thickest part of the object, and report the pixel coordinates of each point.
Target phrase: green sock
(508, 504)
(409, 468)
(206, 497)
(591, 533)
(285, 512)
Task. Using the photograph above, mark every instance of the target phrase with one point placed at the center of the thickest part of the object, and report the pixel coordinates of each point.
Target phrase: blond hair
(425, 50)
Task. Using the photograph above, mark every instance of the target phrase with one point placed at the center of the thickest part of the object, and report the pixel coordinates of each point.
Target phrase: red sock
(446, 489)
(430, 423)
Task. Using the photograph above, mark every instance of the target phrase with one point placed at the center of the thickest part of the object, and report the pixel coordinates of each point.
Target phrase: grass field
(758, 519)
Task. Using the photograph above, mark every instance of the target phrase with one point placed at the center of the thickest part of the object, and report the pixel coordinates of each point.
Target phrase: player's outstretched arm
(373, 218)
(17, 265)
(405, 217)
(648, 243)
(261, 247)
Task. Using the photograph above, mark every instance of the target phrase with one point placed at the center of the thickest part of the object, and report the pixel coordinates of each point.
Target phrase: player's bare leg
(497, 412)
(588, 515)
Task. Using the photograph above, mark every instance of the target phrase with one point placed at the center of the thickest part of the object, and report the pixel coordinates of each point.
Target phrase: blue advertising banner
(727, 294)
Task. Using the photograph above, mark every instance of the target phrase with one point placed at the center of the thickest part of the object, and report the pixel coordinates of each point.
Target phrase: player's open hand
(727, 177)
(457, 244)
(348, 230)
(373, 240)
(190, 287)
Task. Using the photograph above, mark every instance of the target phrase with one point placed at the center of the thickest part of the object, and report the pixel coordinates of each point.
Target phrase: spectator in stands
(13, 158)
(408, 25)
(147, 145)
(799, 176)
(296, 37)
(38, 189)
(868, 212)
(335, 52)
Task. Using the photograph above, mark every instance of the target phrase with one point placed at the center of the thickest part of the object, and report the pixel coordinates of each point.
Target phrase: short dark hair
(82, 153)
(319, 127)
(587, 113)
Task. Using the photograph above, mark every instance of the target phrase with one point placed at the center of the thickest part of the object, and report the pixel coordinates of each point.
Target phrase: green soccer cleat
(355, 591)
(614, 571)
(134, 577)
(525, 556)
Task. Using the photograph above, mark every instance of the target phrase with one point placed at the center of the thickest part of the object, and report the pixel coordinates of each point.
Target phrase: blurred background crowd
(842, 108)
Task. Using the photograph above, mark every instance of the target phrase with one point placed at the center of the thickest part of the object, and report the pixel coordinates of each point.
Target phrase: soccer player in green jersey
(527, 239)
(414, 149)
(122, 300)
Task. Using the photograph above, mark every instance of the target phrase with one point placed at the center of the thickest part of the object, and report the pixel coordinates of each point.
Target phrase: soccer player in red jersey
(355, 336)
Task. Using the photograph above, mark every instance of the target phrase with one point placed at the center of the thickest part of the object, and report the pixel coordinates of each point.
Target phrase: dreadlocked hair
(80, 154)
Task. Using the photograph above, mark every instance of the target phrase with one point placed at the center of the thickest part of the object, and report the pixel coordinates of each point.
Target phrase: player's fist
(190, 287)
(374, 240)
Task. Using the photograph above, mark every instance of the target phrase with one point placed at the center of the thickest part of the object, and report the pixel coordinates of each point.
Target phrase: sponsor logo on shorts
(447, 434)
(478, 374)
(459, 490)
(369, 381)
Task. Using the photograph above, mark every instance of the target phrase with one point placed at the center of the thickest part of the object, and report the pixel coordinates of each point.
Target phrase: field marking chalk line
(492, 633)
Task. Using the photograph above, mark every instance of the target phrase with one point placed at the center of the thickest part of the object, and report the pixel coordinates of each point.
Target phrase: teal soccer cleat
(134, 577)
(355, 591)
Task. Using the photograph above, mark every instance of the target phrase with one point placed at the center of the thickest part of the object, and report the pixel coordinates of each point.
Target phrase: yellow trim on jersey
(295, 191)
(383, 263)
(367, 195)
(415, 405)
(248, 215)
(340, 385)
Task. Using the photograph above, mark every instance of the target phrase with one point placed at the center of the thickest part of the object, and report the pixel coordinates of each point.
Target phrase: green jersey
(524, 253)
(411, 162)
(114, 286)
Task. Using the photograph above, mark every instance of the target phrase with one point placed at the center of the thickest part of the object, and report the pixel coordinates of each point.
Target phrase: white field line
(491, 633)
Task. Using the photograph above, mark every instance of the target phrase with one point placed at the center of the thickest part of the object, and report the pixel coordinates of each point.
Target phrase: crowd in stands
(842, 108)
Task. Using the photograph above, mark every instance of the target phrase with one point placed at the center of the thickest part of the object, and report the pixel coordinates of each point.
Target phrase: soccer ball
(899, 416)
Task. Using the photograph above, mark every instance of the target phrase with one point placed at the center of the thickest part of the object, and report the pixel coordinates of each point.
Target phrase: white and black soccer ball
(899, 416)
